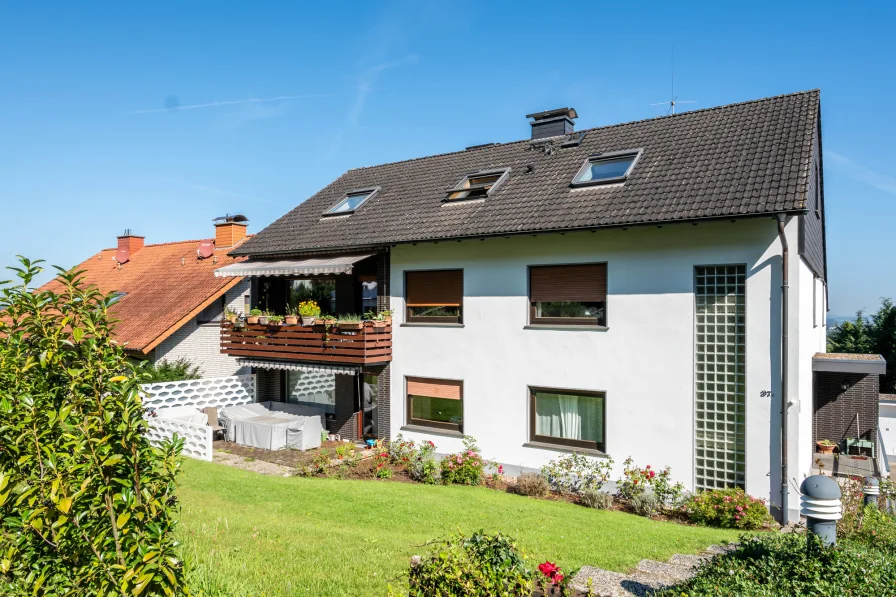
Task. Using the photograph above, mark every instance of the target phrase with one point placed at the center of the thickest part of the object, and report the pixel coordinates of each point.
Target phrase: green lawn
(250, 534)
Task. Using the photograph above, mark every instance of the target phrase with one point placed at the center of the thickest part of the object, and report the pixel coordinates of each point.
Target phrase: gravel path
(250, 464)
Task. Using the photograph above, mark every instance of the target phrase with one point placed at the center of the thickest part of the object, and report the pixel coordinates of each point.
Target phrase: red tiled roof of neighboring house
(165, 286)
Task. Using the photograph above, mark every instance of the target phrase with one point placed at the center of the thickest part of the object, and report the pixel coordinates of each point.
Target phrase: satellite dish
(122, 255)
(206, 249)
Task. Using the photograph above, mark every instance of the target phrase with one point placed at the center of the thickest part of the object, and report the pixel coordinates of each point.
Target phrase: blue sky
(160, 116)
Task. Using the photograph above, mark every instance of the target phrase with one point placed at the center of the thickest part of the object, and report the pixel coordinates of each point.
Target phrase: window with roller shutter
(574, 294)
(434, 296)
(437, 403)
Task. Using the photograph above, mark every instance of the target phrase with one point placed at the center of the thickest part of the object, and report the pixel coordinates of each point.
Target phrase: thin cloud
(254, 100)
(224, 193)
(862, 173)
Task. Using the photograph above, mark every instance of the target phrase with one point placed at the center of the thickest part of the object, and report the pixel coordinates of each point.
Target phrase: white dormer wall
(644, 361)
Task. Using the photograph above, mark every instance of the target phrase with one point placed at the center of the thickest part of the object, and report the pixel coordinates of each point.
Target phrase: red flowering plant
(637, 481)
(554, 582)
(466, 467)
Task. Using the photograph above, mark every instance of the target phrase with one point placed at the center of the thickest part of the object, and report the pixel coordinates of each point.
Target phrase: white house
(616, 291)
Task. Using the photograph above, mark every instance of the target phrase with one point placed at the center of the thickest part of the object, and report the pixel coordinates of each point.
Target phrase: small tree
(177, 370)
(876, 335)
(87, 505)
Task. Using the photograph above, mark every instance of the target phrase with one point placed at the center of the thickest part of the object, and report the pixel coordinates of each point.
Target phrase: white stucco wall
(644, 361)
(887, 425)
(201, 343)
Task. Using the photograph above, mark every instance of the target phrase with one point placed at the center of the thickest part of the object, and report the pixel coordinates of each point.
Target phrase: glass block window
(720, 376)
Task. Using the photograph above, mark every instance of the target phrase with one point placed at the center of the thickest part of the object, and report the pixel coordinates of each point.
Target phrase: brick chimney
(130, 242)
(229, 230)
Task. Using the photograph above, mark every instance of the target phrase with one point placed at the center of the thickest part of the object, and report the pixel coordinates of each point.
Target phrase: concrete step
(715, 550)
(666, 569)
(601, 583)
(688, 560)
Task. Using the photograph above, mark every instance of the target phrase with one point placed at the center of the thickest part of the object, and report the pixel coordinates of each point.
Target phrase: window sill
(566, 449)
(583, 328)
(420, 324)
(431, 431)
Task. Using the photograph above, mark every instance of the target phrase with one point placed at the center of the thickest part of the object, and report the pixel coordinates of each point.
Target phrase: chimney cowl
(229, 230)
(552, 123)
(130, 242)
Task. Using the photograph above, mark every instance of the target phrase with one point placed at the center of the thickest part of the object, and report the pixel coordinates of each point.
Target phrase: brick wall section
(835, 408)
(201, 343)
(346, 421)
(384, 375)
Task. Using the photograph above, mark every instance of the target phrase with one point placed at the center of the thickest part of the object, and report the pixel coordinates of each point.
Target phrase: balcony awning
(341, 264)
(281, 366)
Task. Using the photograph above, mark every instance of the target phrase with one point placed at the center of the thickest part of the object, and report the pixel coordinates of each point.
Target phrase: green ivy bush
(778, 564)
(464, 468)
(481, 565)
(87, 505)
(576, 473)
(727, 508)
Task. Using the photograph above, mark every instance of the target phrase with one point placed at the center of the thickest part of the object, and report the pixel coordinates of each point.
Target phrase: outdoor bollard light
(821, 506)
(872, 491)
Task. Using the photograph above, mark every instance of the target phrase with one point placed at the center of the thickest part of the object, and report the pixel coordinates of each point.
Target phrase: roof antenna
(674, 101)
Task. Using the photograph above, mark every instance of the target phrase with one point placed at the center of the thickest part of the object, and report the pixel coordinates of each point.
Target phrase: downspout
(785, 402)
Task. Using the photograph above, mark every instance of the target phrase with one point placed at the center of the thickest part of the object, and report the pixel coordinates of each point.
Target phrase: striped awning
(317, 266)
(284, 366)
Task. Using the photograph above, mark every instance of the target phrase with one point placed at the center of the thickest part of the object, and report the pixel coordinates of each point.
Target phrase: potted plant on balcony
(254, 315)
(377, 320)
(230, 315)
(328, 320)
(264, 318)
(292, 317)
(387, 316)
(308, 311)
(825, 446)
(275, 319)
(350, 321)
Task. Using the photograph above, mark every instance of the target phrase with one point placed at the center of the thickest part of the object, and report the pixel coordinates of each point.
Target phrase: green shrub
(465, 467)
(87, 505)
(532, 485)
(576, 473)
(727, 508)
(876, 528)
(481, 565)
(422, 465)
(646, 504)
(164, 370)
(778, 564)
(594, 498)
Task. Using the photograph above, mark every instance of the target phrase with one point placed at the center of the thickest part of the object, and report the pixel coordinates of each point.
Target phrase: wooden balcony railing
(367, 346)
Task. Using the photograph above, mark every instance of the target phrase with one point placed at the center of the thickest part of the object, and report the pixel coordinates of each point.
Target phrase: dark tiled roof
(732, 161)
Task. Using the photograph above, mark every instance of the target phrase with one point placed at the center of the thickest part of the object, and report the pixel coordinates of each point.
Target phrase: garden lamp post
(871, 490)
(821, 507)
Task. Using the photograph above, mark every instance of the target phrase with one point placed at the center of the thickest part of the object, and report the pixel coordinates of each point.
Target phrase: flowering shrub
(576, 473)
(727, 508)
(481, 565)
(637, 481)
(422, 464)
(381, 468)
(465, 467)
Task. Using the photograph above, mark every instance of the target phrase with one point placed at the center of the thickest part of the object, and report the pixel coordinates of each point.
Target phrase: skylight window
(478, 185)
(606, 168)
(351, 202)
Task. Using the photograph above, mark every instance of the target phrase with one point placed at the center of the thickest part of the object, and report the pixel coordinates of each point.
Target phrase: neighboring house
(170, 304)
(614, 291)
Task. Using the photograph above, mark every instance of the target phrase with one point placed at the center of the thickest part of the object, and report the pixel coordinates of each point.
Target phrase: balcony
(316, 344)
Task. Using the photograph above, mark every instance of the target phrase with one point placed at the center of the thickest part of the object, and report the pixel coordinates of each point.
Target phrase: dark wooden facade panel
(838, 399)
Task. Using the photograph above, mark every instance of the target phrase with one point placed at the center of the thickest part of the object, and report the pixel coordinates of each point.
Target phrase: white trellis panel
(219, 392)
(197, 438)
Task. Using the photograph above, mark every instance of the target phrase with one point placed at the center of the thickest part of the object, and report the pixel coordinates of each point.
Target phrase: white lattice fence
(219, 392)
(197, 438)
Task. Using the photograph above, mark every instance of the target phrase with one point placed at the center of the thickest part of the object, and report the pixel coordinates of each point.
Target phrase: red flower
(548, 569)
(557, 578)
(500, 469)
(652, 474)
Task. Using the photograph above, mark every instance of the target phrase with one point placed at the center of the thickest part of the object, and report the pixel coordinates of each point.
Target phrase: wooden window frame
(565, 321)
(434, 320)
(559, 441)
(431, 424)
